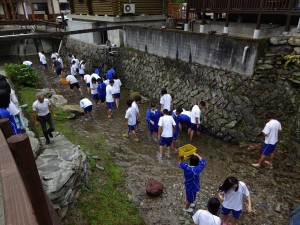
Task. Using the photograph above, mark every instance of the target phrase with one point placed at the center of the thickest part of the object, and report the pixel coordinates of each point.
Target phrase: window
(39, 6)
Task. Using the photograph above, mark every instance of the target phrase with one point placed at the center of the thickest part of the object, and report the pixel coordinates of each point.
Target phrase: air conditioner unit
(129, 8)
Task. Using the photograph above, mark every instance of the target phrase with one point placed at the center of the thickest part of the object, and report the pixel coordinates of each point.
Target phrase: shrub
(21, 75)
(293, 58)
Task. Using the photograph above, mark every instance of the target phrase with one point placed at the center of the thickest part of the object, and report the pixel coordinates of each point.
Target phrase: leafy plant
(293, 58)
(21, 75)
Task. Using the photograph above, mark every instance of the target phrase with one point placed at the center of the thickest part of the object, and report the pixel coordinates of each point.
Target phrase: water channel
(274, 192)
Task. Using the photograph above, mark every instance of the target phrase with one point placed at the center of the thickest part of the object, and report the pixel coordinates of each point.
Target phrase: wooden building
(118, 7)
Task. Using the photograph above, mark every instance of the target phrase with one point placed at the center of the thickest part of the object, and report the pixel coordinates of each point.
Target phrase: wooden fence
(35, 23)
(25, 201)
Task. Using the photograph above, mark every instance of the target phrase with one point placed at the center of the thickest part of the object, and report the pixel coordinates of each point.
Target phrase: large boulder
(58, 100)
(154, 188)
(75, 109)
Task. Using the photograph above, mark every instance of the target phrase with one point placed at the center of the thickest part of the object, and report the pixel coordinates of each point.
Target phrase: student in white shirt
(54, 55)
(109, 98)
(130, 120)
(43, 60)
(27, 63)
(270, 131)
(209, 216)
(73, 83)
(87, 78)
(87, 106)
(196, 119)
(165, 100)
(135, 105)
(231, 194)
(73, 69)
(41, 113)
(82, 69)
(166, 128)
(117, 86)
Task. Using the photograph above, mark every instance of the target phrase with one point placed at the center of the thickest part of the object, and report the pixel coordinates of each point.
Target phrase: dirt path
(270, 189)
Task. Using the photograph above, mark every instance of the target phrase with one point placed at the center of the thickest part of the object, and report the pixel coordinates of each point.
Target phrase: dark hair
(227, 184)
(4, 92)
(104, 77)
(153, 104)
(202, 103)
(163, 91)
(270, 115)
(82, 97)
(99, 80)
(194, 160)
(166, 112)
(213, 206)
(137, 98)
(129, 103)
(179, 110)
(111, 81)
(93, 80)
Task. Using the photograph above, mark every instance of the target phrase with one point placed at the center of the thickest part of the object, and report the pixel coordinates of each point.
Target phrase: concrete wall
(210, 50)
(91, 38)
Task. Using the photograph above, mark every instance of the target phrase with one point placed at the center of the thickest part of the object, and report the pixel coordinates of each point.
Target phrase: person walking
(42, 111)
(231, 194)
(192, 172)
(196, 118)
(270, 131)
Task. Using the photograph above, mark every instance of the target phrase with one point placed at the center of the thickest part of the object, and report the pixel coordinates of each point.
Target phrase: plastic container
(63, 81)
(186, 150)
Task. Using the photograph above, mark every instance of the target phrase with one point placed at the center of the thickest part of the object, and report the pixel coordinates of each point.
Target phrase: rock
(231, 124)
(297, 50)
(278, 40)
(72, 109)
(154, 188)
(48, 92)
(278, 208)
(96, 157)
(99, 167)
(58, 100)
(35, 145)
(265, 67)
(294, 41)
(134, 95)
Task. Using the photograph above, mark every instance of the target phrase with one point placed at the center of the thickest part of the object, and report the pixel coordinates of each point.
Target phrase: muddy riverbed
(275, 192)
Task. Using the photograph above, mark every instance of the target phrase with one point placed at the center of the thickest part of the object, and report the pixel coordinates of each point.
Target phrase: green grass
(102, 200)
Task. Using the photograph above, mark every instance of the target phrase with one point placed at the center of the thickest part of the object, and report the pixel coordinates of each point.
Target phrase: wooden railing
(24, 199)
(35, 23)
(240, 6)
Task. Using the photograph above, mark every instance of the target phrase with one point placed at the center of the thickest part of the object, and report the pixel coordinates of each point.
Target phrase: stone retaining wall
(236, 104)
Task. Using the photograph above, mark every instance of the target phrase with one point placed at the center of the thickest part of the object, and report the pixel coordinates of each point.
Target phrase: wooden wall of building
(115, 7)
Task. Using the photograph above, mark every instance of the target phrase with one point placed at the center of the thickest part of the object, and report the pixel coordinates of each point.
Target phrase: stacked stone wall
(236, 104)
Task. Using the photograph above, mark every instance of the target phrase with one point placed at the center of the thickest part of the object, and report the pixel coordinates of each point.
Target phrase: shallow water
(269, 188)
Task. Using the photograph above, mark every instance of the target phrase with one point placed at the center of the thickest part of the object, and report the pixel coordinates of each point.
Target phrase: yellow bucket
(186, 150)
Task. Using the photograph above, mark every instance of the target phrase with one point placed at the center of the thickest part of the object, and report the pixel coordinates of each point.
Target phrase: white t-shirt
(87, 78)
(187, 113)
(73, 69)
(54, 55)
(12, 109)
(117, 85)
(27, 63)
(135, 106)
(203, 217)
(76, 62)
(234, 199)
(106, 82)
(13, 97)
(166, 122)
(94, 87)
(42, 109)
(195, 113)
(95, 75)
(43, 59)
(61, 62)
(271, 130)
(82, 69)
(85, 102)
(166, 100)
(130, 115)
(109, 94)
(71, 79)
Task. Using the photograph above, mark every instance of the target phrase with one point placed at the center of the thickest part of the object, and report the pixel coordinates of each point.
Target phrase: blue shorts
(110, 105)
(88, 109)
(195, 128)
(131, 127)
(77, 70)
(117, 95)
(166, 141)
(95, 96)
(82, 75)
(175, 134)
(190, 196)
(45, 65)
(152, 128)
(88, 84)
(236, 214)
(268, 149)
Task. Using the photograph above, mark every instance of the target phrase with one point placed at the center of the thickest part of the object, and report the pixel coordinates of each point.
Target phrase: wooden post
(187, 11)
(6, 128)
(24, 11)
(89, 7)
(52, 7)
(72, 6)
(21, 150)
(6, 10)
(289, 16)
(13, 12)
(32, 11)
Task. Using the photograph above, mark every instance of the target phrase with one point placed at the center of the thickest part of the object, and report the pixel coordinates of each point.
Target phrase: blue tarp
(295, 218)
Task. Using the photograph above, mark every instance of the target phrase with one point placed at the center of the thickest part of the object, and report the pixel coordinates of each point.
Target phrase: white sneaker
(192, 205)
(189, 210)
